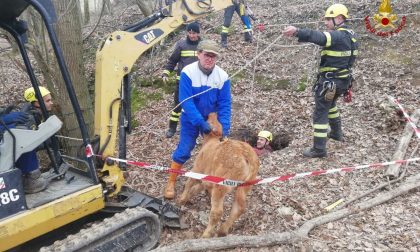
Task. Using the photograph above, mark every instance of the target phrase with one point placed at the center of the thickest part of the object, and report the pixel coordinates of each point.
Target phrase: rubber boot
(33, 182)
(170, 186)
(318, 150)
(314, 153)
(172, 129)
(336, 133)
(223, 41)
(248, 37)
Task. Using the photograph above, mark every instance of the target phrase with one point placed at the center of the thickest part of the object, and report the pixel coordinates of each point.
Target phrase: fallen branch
(379, 187)
(393, 171)
(272, 239)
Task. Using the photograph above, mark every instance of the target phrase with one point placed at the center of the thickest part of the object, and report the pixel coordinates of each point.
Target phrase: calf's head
(217, 131)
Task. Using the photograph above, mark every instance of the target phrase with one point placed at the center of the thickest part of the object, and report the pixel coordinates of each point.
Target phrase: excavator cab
(73, 193)
(80, 187)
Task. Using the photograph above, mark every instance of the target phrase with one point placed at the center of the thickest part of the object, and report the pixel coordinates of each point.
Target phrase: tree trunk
(86, 12)
(69, 33)
(40, 49)
(145, 6)
(108, 7)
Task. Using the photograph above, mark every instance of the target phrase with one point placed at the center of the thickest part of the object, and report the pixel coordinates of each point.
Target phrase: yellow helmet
(266, 134)
(335, 10)
(30, 96)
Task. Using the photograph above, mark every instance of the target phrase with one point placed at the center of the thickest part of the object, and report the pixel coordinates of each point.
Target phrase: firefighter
(334, 76)
(33, 107)
(239, 7)
(210, 86)
(184, 54)
(263, 143)
(29, 164)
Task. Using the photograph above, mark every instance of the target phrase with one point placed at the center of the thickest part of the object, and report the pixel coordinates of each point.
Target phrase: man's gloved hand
(165, 78)
(15, 117)
(205, 127)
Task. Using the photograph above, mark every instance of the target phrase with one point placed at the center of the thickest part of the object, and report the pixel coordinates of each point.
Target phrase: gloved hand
(165, 78)
(15, 117)
(205, 127)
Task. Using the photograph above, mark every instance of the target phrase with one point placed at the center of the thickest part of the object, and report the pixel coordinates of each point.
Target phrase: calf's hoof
(221, 233)
(207, 234)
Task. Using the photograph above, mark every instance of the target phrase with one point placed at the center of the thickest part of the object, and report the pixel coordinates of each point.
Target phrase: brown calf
(229, 159)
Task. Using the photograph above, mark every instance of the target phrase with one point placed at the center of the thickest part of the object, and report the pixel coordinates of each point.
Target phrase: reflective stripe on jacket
(184, 54)
(339, 48)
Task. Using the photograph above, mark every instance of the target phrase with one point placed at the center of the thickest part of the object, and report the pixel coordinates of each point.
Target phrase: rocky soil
(274, 93)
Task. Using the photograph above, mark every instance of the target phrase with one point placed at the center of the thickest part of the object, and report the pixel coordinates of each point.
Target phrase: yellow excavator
(83, 189)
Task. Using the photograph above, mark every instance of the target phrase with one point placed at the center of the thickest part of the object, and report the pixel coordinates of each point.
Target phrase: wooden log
(289, 237)
(393, 171)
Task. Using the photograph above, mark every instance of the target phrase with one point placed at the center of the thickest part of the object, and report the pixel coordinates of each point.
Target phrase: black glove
(15, 118)
(205, 127)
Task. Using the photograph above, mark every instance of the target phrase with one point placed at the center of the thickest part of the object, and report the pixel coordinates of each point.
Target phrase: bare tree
(146, 7)
(86, 12)
(108, 7)
(69, 33)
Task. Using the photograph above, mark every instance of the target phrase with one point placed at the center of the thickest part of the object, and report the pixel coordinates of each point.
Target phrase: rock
(285, 211)
(203, 217)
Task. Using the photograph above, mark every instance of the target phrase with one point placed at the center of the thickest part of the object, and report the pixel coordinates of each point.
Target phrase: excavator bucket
(129, 198)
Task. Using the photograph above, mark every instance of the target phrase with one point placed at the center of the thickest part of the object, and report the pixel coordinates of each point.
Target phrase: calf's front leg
(217, 199)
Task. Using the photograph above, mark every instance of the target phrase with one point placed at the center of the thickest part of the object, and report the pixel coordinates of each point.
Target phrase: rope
(270, 45)
(259, 54)
(233, 75)
(97, 22)
(259, 181)
(288, 46)
(350, 19)
(230, 77)
(253, 72)
(69, 138)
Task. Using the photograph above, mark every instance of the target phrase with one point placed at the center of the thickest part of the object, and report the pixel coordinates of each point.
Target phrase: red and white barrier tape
(234, 183)
(397, 102)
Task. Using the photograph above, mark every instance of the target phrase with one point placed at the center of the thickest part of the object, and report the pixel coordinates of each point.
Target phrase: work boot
(223, 41)
(335, 136)
(172, 129)
(314, 153)
(33, 182)
(336, 133)
(170, 187)
(248, 36)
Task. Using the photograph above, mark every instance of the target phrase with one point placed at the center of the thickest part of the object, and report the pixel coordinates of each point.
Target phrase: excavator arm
(114, 61)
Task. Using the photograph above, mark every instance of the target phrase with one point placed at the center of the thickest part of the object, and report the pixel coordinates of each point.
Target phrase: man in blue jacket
(203, 88)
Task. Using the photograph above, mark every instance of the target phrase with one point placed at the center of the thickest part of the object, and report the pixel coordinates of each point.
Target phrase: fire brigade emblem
(385, 21)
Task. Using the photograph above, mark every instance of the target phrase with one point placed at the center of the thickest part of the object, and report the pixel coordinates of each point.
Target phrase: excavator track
(134, 228)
